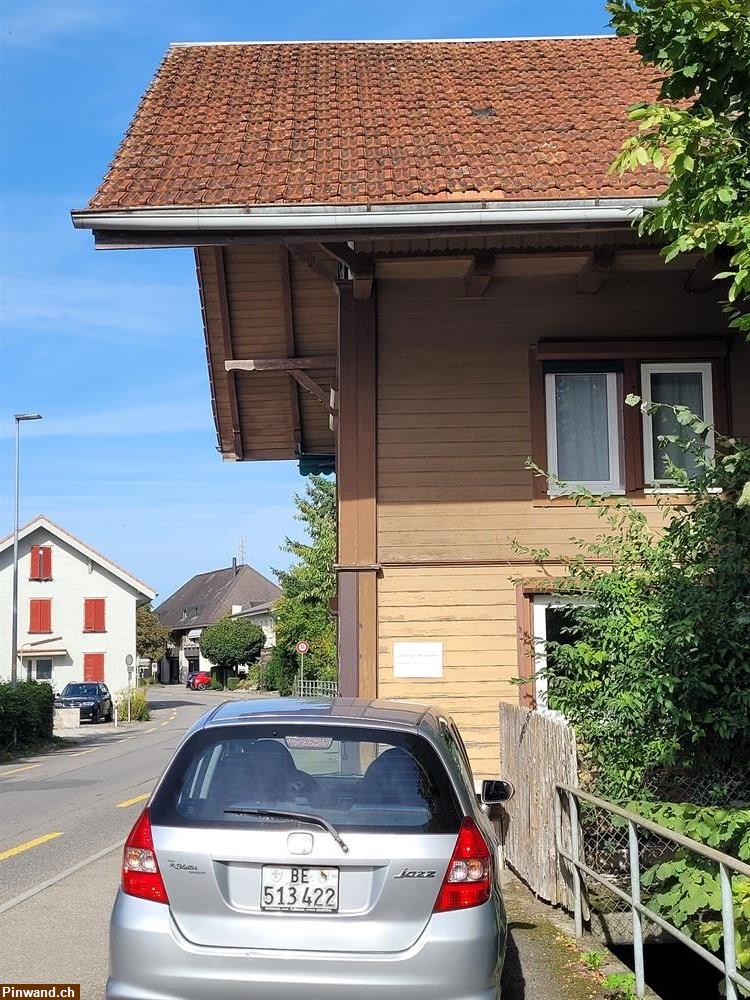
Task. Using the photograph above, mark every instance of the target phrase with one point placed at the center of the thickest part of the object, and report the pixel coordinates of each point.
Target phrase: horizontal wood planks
(453, 437)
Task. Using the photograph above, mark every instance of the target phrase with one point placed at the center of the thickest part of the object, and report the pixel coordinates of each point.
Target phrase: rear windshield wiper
(304, 817)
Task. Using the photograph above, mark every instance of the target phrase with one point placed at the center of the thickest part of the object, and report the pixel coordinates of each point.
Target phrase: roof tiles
(381, 122)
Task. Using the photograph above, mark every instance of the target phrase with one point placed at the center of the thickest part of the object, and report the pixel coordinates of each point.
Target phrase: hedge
(26, 713)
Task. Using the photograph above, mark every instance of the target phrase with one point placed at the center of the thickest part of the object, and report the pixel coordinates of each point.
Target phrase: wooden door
(93, 666)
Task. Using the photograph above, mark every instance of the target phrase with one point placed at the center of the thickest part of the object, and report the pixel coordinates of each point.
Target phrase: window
(44, 669)
(677, 385)
(40, 615)
(41, 562)
(583, 430)
(585, 435)
(93, 614)
(553, 620)
(356, 778)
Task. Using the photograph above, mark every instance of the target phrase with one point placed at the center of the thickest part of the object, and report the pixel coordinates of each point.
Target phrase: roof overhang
(134, 228)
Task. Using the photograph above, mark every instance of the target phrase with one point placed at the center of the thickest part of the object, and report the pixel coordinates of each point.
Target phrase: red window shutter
(46, 562)
(35, 572)
(40, 615)
(93, 666)
(93, 614)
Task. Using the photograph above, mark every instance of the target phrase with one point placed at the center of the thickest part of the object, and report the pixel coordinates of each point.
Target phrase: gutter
(334, 217)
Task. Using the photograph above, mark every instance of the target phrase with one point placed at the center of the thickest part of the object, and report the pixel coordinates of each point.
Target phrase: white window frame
(540, 603)
(614, 484)
(704, 368)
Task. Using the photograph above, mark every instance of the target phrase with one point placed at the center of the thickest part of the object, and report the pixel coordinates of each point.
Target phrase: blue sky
(108, 345)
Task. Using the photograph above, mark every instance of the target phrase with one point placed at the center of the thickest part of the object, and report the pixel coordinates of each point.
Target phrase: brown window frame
(630, 354)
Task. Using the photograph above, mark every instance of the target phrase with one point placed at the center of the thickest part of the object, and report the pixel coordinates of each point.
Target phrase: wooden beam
(226, 333)
(286, 288)
(692, 348)
(703, 276)
(356, 479)
(322, 363)
(479, 274)
(361, 267)
(305, 253)
(310, 385)
(594, 272)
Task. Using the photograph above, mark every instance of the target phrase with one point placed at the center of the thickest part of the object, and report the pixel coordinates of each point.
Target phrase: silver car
(296, 848)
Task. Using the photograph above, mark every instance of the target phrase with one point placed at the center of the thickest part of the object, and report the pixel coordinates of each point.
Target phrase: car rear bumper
(458, 957)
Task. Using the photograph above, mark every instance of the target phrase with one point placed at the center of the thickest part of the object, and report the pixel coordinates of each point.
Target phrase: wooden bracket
(360, 266)
(321, 267)
(703, 276)
(479, 274)
(594, 272)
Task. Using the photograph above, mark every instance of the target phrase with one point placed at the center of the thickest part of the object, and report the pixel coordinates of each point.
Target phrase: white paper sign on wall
(417, 659)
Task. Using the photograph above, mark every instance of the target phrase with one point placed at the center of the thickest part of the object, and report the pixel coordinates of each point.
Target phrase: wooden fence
(537, 751)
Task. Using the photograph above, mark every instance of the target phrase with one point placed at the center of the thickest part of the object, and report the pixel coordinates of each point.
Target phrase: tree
(150, 635)
(699, 129)
(303, 610)
(230, 642)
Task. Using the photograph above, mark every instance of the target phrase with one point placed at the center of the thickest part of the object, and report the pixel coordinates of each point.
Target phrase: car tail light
(468, 881)
(140, 870)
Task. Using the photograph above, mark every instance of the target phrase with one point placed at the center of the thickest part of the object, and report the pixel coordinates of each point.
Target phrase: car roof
(326, 711)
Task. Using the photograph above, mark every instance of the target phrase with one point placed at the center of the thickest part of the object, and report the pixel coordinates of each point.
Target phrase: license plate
(299, 888)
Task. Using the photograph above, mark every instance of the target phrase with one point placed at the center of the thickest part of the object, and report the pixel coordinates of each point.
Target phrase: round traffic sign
(302, 647)
(129, 660)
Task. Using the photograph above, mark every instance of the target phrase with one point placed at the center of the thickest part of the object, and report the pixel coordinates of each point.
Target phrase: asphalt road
(65, 815)
(72, 809)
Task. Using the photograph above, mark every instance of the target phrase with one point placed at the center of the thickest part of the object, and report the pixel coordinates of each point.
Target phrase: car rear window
(356, 778)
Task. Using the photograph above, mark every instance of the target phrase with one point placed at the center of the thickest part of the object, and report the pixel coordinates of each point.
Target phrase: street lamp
(14, 626)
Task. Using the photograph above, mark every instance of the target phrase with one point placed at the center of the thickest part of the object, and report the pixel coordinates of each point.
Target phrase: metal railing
(726, 865)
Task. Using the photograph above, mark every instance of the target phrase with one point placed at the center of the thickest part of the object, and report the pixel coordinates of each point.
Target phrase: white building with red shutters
(76, 609)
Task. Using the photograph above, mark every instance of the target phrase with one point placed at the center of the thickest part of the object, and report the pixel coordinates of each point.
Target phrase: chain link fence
(605, 840)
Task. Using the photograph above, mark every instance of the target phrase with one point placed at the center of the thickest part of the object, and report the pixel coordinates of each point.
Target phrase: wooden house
(415, 267)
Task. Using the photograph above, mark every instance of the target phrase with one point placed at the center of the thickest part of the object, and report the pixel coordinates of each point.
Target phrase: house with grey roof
(238, 590)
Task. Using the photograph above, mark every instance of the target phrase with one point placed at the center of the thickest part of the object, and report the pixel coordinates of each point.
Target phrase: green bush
(215, 684)
(655, 671)
(685, 888)
(233, 683)
(26, 713)
(139, 710)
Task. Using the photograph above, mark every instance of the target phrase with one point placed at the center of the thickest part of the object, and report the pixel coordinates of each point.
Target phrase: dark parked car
(92, 699)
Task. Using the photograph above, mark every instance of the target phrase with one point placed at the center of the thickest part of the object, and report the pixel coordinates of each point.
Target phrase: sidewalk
(544, 960)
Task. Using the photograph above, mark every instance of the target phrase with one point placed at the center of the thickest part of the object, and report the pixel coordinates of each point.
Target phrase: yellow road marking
(12, 851)
(165, 723)
(149, 730)
(16, 770)
(80, 753)
(131, 802)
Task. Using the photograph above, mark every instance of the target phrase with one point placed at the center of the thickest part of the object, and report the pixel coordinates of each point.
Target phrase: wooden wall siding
(315, 309)
(453, 435)
(256, 302)
(215, 354)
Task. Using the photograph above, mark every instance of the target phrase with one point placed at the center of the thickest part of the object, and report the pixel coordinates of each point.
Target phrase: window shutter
(93, 666)
(46, 562)
(36, 567)
(93, 614)
(40, 615)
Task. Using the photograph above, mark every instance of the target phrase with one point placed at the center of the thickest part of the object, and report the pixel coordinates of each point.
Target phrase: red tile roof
(378, 122)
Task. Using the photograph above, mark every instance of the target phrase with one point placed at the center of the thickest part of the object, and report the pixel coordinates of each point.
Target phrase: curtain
(582, 428)
(676, 389)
